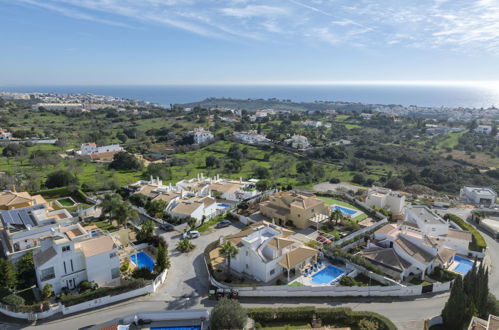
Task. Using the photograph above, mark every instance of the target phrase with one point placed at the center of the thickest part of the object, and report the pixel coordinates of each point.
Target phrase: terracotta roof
(74, 233)
(42, 257)
(103, 155)
(147, 191)
(11, 198)
(413, 250)
(279, 243)
(493, 322)
(97, 246)
(459, 234)
(187, 207)
(207, 201)
(445, 255)
(385, 229)
(297, 256)
(225, 187)
(237, 237)
(387, 257)
(166, 197)
(307, 202)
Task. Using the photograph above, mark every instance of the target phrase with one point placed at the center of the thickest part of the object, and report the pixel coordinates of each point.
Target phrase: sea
(421, 95)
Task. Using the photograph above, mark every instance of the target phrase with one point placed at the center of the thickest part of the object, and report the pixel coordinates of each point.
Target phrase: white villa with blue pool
(418, 245)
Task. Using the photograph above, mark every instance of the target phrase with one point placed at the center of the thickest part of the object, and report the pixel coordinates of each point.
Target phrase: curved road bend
(185, 288)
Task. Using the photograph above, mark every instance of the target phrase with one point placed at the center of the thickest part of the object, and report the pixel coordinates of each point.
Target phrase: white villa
(386, 199)
(417, 246)
(88, 149)
(483, 129)
(71, 255)
(312, 123)
(478, 196)
(200, 135)
(251, 137)
(5, 134)
(298, 142)
(196, 207)
(266, 252)
(22, 229)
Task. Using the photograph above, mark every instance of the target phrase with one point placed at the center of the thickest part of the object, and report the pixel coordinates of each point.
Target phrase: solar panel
(20, 217)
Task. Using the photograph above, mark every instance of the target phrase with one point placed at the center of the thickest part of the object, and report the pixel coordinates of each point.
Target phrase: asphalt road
(186, 287)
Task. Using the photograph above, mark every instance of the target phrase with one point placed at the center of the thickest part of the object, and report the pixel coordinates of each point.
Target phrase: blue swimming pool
(144, 260)
(464, 266)
(327, 275)
(223, 205)
(344, 210)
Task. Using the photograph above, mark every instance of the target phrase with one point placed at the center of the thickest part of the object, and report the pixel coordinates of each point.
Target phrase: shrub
(478, 242)
(46, 291)
(13, 300)
(85, 286)
(142, 272)
(228, 314)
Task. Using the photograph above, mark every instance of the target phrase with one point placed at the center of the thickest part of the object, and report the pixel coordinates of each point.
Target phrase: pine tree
(8, 277)
(452, 314)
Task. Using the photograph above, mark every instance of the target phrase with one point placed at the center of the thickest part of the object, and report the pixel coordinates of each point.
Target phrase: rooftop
(97, 246)
(413, 250)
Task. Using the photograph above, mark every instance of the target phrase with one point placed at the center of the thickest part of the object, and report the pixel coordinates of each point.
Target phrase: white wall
(99, 268)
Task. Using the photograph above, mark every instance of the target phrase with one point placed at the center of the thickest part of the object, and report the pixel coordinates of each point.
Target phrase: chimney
(240, 179)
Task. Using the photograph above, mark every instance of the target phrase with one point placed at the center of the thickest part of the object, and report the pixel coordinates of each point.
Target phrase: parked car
(191, 234)
(223, 224)
(323, 240)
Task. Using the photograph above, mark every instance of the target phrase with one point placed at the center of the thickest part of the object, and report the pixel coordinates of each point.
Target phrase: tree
(185, 245)
(263, 185)
(8, 278)
(26, 270)
(109, 206)
(14, 149)
(261, 172)
(358, 178)
(366, 324)
(146, 230)
(210, 161)
(336, 216)
(124, 212)
(47, 291)
(156, 208)
(395, 183)
(60, 178)
(228, 314)
(125, 161)
(162, 260)
(122, 137)
(456, 308)
(228, 251)
(159, 170)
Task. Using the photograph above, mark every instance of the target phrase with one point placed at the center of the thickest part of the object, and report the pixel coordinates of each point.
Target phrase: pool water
(464, 265)
(344, 210)
(144, 260)
(327, 275)
(223, 205)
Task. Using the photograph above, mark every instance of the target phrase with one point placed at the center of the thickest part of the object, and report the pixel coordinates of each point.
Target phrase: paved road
(186, 288)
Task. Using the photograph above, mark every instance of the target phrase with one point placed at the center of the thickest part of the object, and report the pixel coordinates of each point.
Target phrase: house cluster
(261, 114)
(483, 129)
(418, 245)
(64, 252)
(484, 197)
(297, 142)
(251, 137)
(267, 252)
(385, 198)
(300, 210)
(196, 198)
(312, 123)
(200, 135)
(5, 134)
(95, 153)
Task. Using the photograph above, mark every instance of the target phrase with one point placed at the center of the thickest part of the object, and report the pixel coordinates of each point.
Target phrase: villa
(476, 323)
(298, 142)
(386, 199)
(72, 255)
(102, 153)
(15, 200)
(483, 129)
(301, 210)
(478, 196)
(266, 252)
(200, 135)
(198, 208)
(251, 137)
(418, 245)
(22, 229)
(311, 123)
(5, 134)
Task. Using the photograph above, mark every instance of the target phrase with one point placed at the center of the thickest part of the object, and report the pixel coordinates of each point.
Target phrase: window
(112, 255)
(66, 248)
(47, 274)
(272, 272)
(65, 270)
(72, 268)
(247, 253)
(115, 273)
(247, 266)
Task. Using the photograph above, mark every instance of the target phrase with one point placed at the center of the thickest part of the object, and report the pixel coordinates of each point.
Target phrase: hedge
(70, 300)
(478, 242)
(63, 192)
(329, 316)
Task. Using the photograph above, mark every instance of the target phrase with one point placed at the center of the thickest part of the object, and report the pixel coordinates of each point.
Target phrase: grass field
(331, 201)
(450, 140)
(66, 202)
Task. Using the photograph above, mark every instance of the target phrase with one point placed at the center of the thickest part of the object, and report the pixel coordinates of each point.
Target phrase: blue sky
(148, 42)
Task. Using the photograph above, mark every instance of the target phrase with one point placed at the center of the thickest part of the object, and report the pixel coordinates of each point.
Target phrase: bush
(13, 300)
(47, 291)
(478, 242)
(142, 272)
(228, 314)
(85, 286)
(60, 178)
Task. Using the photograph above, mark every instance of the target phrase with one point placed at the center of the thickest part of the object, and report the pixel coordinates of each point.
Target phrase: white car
(191, 234)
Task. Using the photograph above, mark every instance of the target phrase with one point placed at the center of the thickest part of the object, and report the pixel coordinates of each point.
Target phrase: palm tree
(124, 212)
(109, 206)
(335, 216)
(228, 251)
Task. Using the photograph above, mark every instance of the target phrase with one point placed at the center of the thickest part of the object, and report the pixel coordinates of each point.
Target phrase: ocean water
(434, 96)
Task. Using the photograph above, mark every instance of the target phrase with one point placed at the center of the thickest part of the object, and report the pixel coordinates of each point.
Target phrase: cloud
(464, 26)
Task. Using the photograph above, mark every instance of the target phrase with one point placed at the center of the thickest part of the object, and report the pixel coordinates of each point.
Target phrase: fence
(60, 308)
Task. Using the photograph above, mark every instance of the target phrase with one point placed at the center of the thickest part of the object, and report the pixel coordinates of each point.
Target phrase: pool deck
(351, 216)
(455, 264)
(307, 280)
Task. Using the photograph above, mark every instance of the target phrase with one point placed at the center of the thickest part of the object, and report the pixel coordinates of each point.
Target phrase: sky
(155, 42)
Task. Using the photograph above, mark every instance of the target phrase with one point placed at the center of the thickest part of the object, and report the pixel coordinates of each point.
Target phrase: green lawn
(295, 284)
(207, 224)
(66, 202)
(331, 201)
(449, 140)
(286, 326)
(103, 225)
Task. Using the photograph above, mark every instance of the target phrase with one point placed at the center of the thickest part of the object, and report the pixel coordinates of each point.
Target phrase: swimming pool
(327, 275)
(223, 205)
(144, 260)
(344, 210)
(464, 265)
